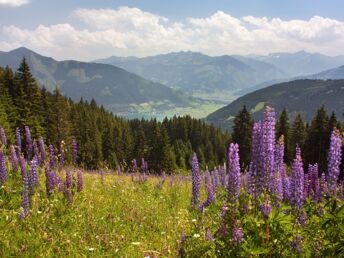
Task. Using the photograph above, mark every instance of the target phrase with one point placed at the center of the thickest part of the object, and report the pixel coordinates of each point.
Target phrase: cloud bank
(133, 32)
(13, 3)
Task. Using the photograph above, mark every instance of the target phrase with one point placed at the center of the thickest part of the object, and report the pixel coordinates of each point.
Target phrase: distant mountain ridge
(299, 96)
(196, 72)
(113, 87)
(235, 75)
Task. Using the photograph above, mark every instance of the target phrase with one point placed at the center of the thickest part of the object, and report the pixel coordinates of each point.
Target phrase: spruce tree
(242, 131)
(283, 128)
(318, 140)
(298, 134)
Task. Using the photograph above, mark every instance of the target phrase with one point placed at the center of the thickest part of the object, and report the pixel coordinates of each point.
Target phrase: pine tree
(298, 134)
(283, 128)
(242, 131)
(318, 139)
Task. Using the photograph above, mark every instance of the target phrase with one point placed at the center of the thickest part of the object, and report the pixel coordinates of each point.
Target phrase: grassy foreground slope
(112, 217)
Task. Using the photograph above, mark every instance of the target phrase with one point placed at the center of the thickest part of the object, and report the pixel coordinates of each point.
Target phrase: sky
(91, 29)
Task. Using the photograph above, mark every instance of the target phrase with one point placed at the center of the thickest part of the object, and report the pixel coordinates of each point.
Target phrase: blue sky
(91, 29)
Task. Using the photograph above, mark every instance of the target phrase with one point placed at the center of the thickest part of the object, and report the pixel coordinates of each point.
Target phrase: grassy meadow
(113, 216)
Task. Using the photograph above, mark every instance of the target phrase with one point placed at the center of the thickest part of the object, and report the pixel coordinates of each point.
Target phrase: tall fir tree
(283, 128)
(242, 131)
(298, 134)
(318, 140)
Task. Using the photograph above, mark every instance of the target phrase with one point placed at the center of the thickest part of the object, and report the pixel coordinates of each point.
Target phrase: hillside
(198, 73)
(113, 87)
(300, 96)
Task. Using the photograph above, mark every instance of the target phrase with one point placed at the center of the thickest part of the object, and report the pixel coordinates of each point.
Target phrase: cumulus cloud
(131, 31)
(13, 3)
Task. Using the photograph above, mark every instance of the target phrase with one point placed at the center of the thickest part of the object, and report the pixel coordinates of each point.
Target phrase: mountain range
(112, 87)
(229, 76)
(197, 73)
(164, 83)
(299, 96)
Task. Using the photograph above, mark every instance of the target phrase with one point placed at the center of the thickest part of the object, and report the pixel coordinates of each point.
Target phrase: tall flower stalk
(28, 143)
(3, 171)
(25, 190)
(334, 159)
(3, 136)
(234, 172)
(196, 181)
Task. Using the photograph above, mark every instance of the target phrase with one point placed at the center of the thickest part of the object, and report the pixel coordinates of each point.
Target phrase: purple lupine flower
(279, 187)
(323, 185)
(68, 178)
(74, 151)
(286, 188)
(34, 176)
(36, 151)
(57, 182)
(28, 143)
(49, 181)
(68, 188)
(296, 244)
(257, 159)
(269, 147)
(25, 191)
(209, 236)
(297, 180)
(222, 171)
(216, 180)
(196, 181)
(251, 186)
(80, 181)
(207, 179)
(234, 172)
(14, 159)
(266, 210)
(314, 187)
(302, 218)
(223, 230)
(334, 160)
(42, 150)
(238, 235)
(279, 154)
(3, 136)
(3, 172)
(210, 198)
(18, 141)
(61, 156)
(52, 156)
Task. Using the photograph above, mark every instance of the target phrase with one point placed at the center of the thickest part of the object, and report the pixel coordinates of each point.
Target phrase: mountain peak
(22, 50)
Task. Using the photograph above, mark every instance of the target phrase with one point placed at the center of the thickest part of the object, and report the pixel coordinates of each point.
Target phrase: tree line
(104, 139)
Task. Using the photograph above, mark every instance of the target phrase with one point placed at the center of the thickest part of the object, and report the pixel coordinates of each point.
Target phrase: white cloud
(13, 3)
(131, 31)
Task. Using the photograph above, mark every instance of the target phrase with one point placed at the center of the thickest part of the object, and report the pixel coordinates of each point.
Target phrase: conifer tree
(242, 131)
(283, 128)
(318, 140)
(298, 134)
